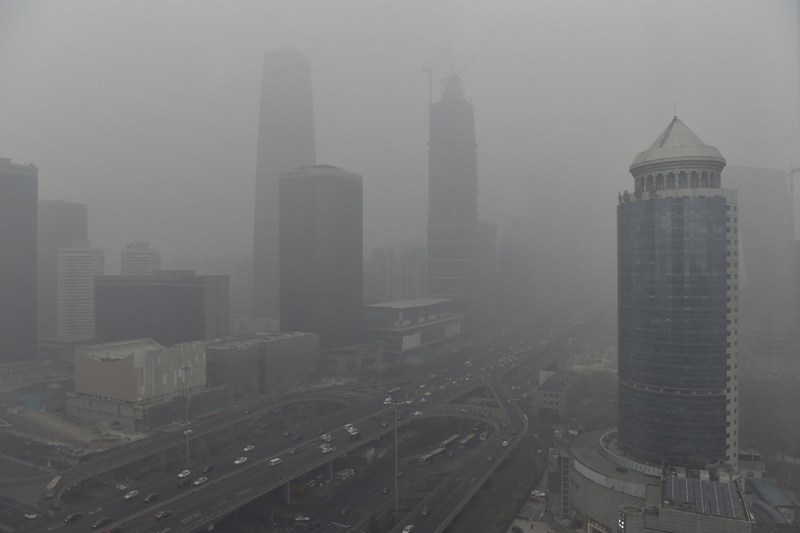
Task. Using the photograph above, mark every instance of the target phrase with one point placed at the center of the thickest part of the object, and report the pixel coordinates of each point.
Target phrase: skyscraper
(138, 259)
(60, 223)
(678, 306)
(453, 197)
(285, 143)
(18, 205)
(76, 268)
(321, 254)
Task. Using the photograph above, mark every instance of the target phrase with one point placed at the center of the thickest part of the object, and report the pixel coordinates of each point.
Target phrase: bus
(430, 456)
(449, 440)
(463, 442)
(52, 487)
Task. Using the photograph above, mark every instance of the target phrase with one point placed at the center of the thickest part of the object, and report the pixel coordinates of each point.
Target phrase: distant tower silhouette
(18, 205)
(453, 198)
(322, 254)
(285, 143)
(678, 281)
(60, 223)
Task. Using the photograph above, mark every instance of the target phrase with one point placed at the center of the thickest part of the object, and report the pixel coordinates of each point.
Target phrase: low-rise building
(552, 394)
(264, 363)
(411, 325)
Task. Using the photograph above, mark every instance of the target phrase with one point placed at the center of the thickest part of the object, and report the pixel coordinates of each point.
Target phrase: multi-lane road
(230, 486)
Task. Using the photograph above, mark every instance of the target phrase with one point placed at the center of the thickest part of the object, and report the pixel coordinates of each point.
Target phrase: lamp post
(396, 422)
(186, 433)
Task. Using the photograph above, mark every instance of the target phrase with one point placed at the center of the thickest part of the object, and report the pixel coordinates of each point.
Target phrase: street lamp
(186, 433)
(396, 423)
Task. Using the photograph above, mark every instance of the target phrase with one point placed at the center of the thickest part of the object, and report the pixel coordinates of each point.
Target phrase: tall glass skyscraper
(285, 143)
(18, 205)
(678, 306)
(453, 270)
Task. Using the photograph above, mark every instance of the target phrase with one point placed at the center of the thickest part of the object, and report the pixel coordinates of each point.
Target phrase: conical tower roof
(677, 143)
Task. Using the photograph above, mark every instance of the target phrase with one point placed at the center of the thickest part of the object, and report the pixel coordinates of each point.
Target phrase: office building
(18, 205)
(76, 269)
(138, 259)
(412, 325)
(453, 270)
(285, 143)
(321, 231)
(678, 306)
(170, 306)
(60, 223)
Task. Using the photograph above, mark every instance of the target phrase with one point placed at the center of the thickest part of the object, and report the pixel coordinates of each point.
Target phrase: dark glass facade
(18, 205)
(453, 269)
(673, 286)
(321, 229)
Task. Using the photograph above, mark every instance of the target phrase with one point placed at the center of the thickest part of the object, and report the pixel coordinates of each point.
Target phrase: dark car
(185, 482)
(207, 469)
(153, 496)
(100, 523)
(73, 517)
(385, 490)
(161, 515)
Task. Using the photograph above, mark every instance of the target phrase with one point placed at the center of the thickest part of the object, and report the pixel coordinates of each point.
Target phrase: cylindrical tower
(678, 305)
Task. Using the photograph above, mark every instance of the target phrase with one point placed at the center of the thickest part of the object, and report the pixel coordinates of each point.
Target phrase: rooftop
(703, 496)
(677, 143)
(112, 351)
(408, 304)
(247, 341)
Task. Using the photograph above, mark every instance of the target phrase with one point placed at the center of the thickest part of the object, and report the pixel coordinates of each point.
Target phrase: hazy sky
(148, 110)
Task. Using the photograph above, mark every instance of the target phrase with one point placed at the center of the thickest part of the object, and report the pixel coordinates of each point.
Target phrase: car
(417, 413)
(185, 482)
(344, 510)
(206, 469)
(153, 496)
(100, 523)
(539, 493)
(327, 450)
(161, 515)
(188, 432)
(240, 460)
(122, 486)
(425, 511)
(248, 448)
(385, 490)
(409, 528)
(348, 426)
(31, 516)
(505, 444)
(327, 437)
(72, 518)
(275, 461)
(131, 494)
(297, 437)
(287, 433)
(200, 480)
(184, 474)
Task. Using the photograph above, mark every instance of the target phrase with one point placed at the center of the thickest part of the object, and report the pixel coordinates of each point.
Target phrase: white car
(326, 437)
(188, 432)
(539, 493)
(200, 480)
(184, 474)
(31, 516)
(249, 448)
(348, 427)
(409, 528)
(417, 413)
(240, 460)
(131, 494)
(505, 444)
(327, 450)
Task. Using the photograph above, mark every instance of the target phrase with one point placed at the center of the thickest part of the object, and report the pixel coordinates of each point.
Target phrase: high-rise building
(678, 303)
(138, 259)
(170, 306)
(18, 204)
(321, 254)
(285, 143)
(453, 270)
(76, 268)
(60, 223)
